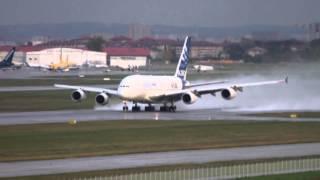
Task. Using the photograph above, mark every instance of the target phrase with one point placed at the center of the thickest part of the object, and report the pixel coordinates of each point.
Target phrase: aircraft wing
(89, 89)
(236, 87)
(213, 88)
(205, 83)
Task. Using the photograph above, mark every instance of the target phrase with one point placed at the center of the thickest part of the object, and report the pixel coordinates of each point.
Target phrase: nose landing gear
(149, 108)
(125, 107)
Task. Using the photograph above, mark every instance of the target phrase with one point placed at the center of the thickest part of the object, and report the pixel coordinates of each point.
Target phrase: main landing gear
(125, 107)
(136, 108)
(149, 108)
(166, 108)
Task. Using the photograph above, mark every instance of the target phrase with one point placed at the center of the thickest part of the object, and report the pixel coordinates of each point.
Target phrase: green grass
(294, 176)
(49, 141)
(42, 101)
(310, 114)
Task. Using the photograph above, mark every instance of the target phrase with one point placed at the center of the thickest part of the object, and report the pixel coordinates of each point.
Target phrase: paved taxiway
(26, 168)
(29, 73)
(94, 115)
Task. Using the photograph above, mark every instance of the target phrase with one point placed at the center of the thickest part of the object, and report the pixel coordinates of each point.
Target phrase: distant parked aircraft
(166, 90)
(203, 68)
(7, 61)
(63, 65)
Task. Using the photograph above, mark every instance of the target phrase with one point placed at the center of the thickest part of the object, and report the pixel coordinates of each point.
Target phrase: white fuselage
(141, 88)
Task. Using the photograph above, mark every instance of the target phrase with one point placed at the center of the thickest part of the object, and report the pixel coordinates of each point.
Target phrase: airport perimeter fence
(223, 172)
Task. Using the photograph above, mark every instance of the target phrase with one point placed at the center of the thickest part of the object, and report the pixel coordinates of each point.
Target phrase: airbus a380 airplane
(148, 89)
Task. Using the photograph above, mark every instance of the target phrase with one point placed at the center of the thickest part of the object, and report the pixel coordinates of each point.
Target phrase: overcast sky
(210, 13)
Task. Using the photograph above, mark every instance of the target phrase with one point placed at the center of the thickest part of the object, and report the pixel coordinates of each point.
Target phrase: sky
(204, 13)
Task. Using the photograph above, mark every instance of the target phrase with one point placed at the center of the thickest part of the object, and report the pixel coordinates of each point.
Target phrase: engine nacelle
(228, 94)
(78, 95)
(102, 99)
(189, 98)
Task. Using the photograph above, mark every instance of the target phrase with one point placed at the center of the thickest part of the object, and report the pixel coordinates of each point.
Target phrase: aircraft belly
(161, 99)
(148, 96)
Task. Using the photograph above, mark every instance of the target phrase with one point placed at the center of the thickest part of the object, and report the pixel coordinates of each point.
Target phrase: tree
(169, 54)
(236, 51)
(95, 44)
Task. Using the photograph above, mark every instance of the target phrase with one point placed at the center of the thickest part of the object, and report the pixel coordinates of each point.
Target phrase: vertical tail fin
(181, 70)
(8, 59)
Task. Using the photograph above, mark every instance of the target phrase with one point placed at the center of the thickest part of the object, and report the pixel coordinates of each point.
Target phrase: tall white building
(138, 31)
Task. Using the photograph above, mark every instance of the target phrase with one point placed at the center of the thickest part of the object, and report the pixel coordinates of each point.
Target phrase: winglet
(286, 80)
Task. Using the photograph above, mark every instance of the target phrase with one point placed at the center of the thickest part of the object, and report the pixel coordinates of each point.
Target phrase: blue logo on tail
(181, 70)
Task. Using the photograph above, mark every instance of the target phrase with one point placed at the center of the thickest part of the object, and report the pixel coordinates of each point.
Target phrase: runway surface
(26, 168)
(94, 115)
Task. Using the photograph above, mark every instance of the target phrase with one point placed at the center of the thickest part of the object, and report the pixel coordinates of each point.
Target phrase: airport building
(125, 58)
(202, 50)
(74, 57)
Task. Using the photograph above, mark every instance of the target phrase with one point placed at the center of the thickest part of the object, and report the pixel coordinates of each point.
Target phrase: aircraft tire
(149, 108)
(164, 108)
(136, 109)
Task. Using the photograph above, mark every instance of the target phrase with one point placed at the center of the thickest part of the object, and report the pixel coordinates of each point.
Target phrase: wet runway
(94, 115)
(26, 168)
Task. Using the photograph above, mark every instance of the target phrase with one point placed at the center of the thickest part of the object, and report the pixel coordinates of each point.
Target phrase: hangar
(127, 57)
(74, 57)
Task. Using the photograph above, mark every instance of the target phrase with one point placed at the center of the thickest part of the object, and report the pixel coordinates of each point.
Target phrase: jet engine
(228, 94)
(189, 98)
(78, 95)
(102, 99)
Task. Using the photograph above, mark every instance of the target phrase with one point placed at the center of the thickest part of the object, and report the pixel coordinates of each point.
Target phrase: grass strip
(117, 172)
(304, 114)
(42, 101)
(294, 176)
(62, 140)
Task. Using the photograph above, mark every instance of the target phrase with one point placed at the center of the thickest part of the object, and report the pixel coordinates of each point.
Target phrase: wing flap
(205, 83)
